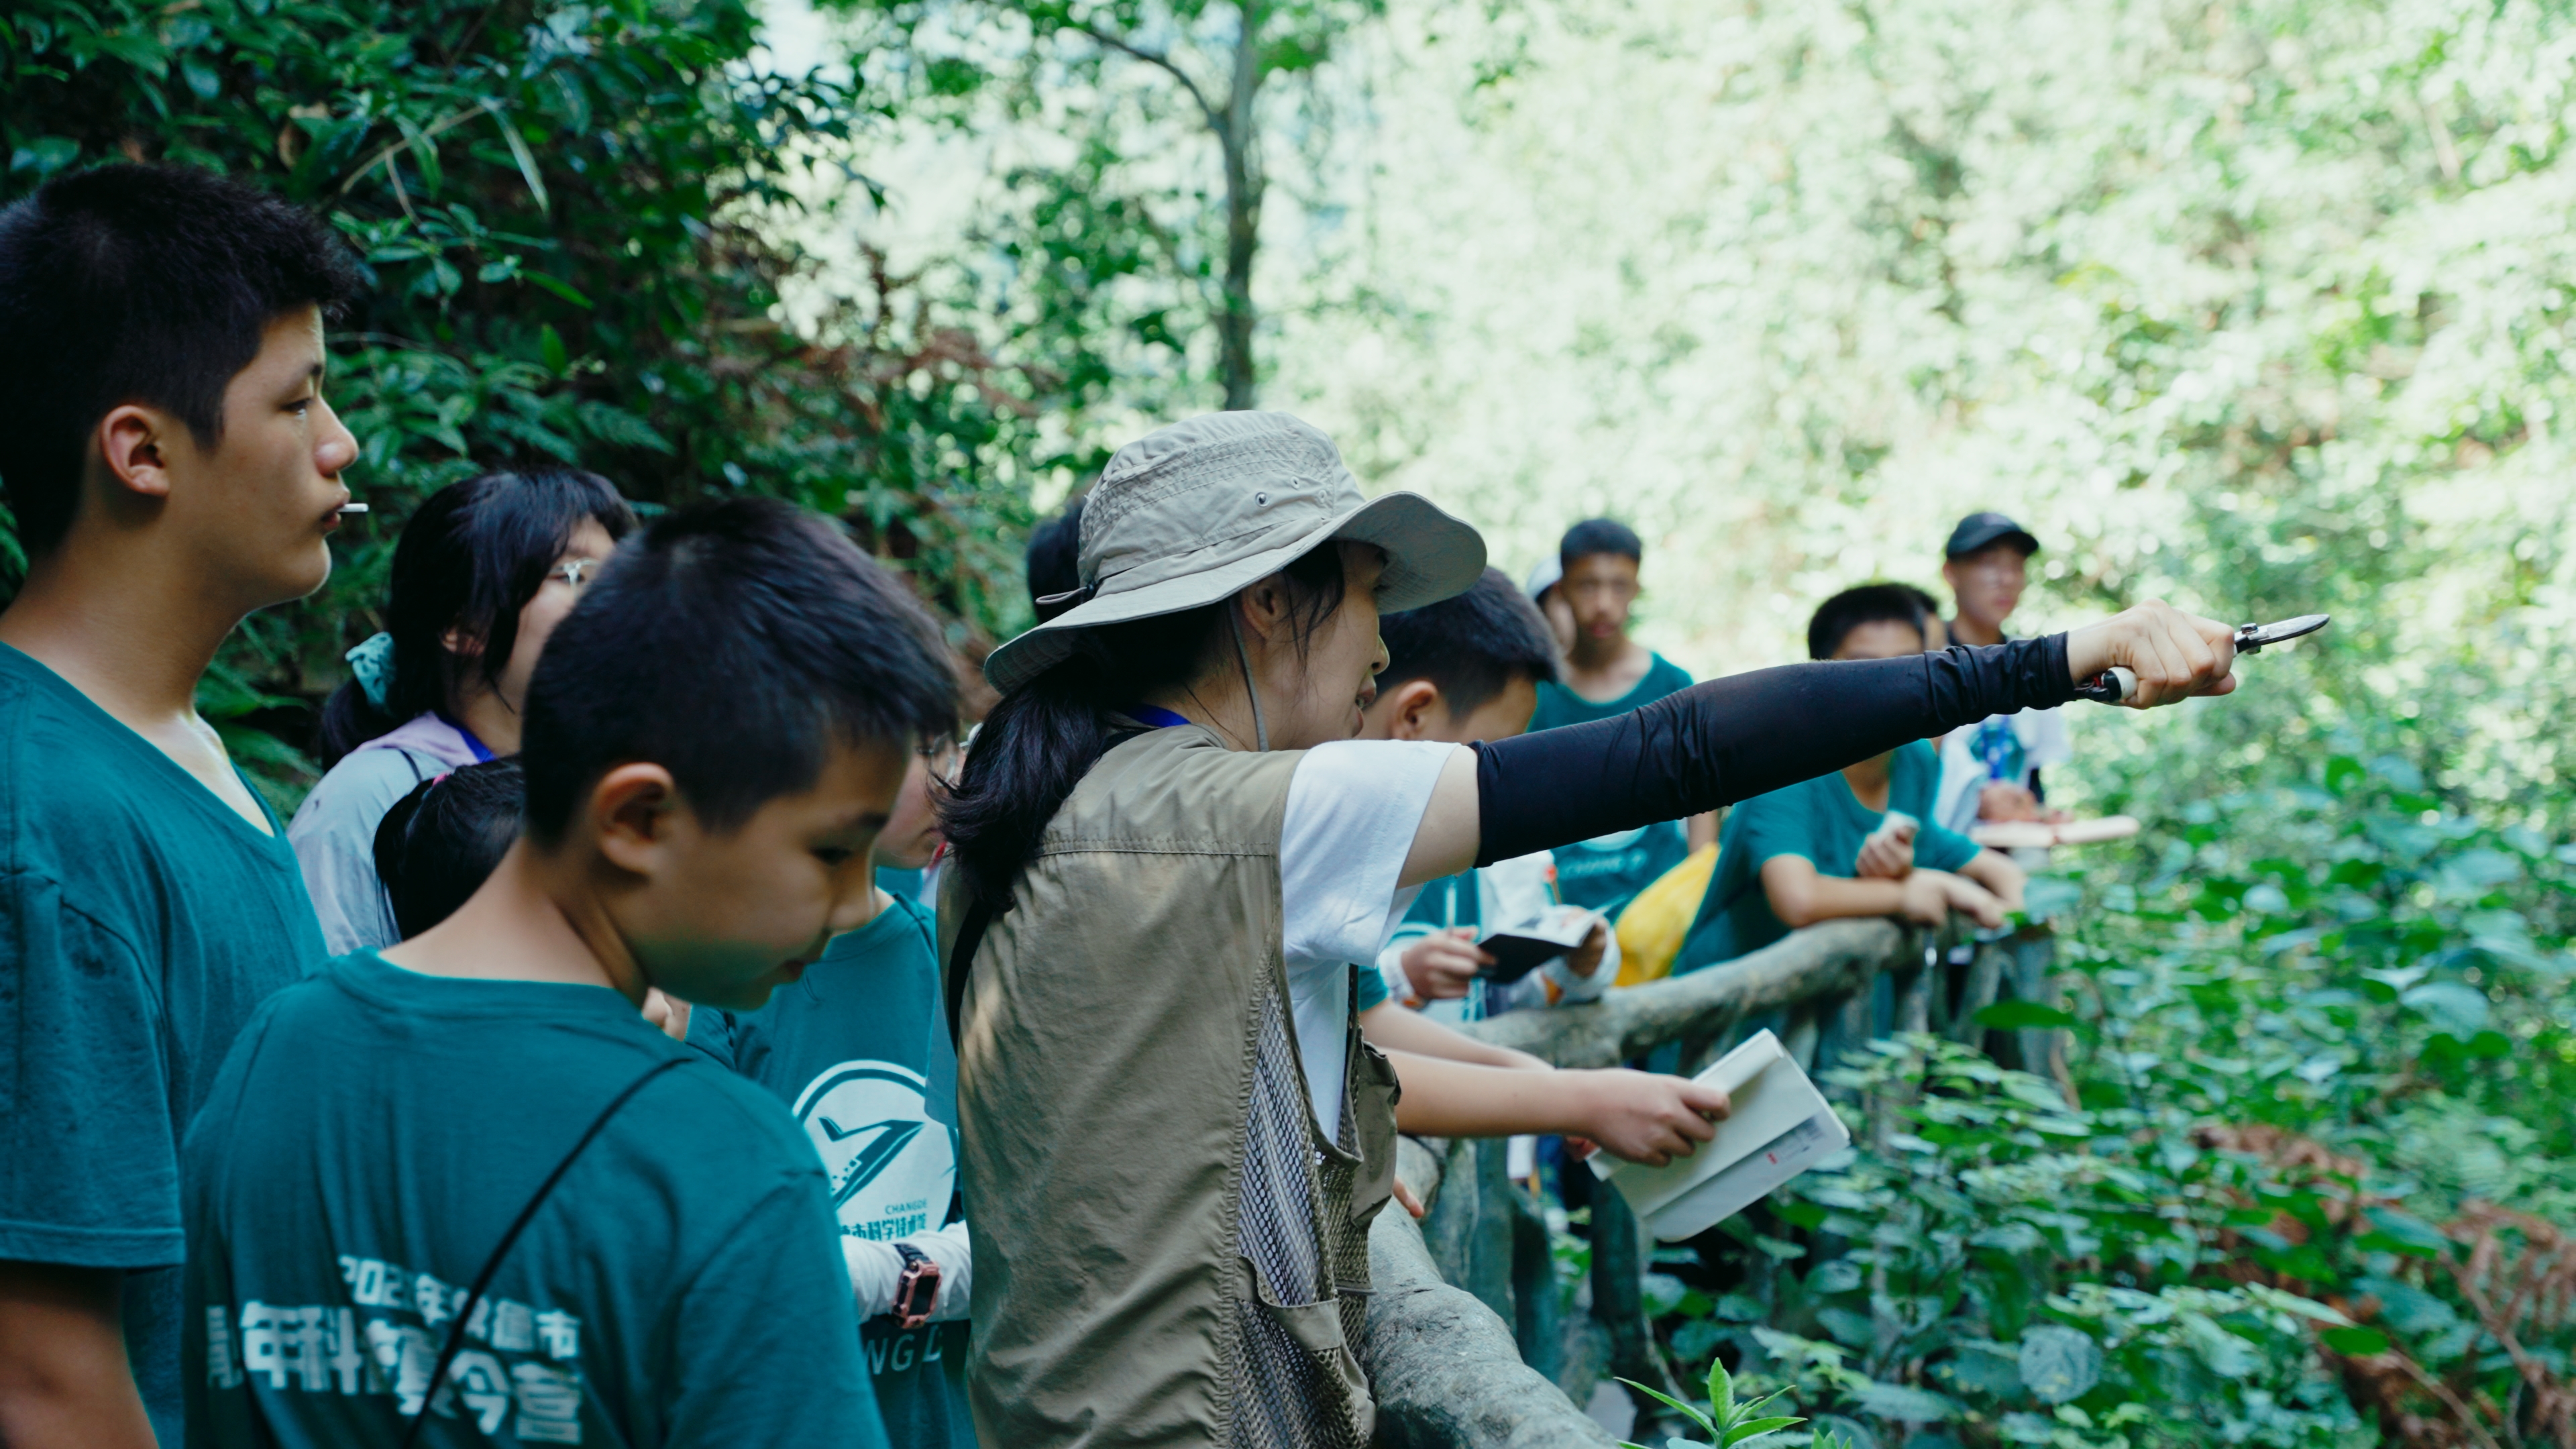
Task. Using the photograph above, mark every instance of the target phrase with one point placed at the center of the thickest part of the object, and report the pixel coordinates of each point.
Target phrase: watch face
(891, 1165)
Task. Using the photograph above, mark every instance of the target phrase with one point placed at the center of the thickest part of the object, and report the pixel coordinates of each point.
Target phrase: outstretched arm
(1722, 741)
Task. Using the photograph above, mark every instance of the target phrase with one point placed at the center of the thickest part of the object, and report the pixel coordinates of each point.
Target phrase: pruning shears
(2116, 683)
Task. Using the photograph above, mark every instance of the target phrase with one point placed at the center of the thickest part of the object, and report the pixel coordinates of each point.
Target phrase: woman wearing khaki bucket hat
(1168, 850)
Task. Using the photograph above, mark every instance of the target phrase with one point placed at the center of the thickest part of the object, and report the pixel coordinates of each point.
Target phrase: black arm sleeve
(1716, 743)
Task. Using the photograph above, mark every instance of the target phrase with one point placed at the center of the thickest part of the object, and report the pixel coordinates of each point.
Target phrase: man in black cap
(1990, 770)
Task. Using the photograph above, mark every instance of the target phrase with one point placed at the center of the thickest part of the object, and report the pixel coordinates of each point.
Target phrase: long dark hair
(1044, 736)
(470, 559)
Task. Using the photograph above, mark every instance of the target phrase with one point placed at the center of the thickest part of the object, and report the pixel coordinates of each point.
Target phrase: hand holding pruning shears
(2155, 654)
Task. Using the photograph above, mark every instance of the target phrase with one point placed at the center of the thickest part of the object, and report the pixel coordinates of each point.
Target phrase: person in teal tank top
(1858, 842)
(171, 467)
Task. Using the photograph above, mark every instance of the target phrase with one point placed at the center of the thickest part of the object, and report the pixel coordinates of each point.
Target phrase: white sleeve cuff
(876, 1268)
(1390, 968)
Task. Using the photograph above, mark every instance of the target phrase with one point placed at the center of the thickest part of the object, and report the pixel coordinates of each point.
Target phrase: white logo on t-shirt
(891, 1165)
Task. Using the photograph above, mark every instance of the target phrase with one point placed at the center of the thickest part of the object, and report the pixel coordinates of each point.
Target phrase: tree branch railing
(1466, 1343)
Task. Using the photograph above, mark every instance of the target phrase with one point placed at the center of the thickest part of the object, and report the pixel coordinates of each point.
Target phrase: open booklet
(1521, 949)
(1779, 1127)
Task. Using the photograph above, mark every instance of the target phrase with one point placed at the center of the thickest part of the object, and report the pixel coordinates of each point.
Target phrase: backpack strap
(491, 1265)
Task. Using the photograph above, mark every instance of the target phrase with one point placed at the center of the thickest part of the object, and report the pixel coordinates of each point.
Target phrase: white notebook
(1779, 1127)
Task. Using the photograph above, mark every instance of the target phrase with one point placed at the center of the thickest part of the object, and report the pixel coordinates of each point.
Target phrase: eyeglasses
(574, 571)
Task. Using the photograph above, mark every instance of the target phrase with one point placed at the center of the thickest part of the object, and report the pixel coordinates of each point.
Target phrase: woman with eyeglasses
(485, 570)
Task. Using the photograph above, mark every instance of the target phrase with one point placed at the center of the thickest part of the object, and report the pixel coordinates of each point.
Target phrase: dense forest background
(2262, 307)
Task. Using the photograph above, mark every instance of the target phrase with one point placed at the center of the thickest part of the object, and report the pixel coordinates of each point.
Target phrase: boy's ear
(130, 442)
(1414, 710)
(634, 812)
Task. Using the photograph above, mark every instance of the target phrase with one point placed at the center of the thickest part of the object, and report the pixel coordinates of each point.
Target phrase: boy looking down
(714, 738)
(859, 1051)
(1831, 847)
(171, 467)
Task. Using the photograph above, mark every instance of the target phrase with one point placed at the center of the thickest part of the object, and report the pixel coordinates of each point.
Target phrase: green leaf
(1668, 1401)
(1755, 1428)
(1721, 1392)
(45, 155)
(139, 51)
(550, 345)
(2016, 1015)
(2356, 1341)
(527, 161)
(1909, 1405)
(2058, 1363)
(559, 287)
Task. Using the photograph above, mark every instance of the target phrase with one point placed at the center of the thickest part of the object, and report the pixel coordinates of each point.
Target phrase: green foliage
(2019, 1271)
(1728, 1423)
(1115, 245)
(577, 221)
(2315, 1186)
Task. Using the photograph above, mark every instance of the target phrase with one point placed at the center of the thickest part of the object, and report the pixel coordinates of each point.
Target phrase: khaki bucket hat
(1192, 513)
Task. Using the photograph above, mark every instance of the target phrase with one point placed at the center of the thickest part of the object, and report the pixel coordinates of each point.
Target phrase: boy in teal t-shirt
(859, 1051)
(714, 738)
(1826, 848)
(1608, 673)
(170, 467)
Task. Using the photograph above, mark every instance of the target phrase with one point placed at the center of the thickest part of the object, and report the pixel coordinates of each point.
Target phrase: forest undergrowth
(2309, 1178)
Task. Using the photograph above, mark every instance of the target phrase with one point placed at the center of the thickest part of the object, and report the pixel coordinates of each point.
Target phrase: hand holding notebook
(1780, 1126)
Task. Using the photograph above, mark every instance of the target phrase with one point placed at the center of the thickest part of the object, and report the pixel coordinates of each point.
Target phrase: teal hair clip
(372, 665)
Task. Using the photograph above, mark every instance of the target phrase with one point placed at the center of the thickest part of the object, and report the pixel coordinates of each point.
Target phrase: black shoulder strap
(961, 959)
(491, 1265)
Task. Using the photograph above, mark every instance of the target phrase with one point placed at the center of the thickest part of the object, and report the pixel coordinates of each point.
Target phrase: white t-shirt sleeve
(2043, 738)
(1353, 809)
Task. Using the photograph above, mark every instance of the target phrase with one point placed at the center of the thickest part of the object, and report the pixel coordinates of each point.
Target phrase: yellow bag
(1652, 928)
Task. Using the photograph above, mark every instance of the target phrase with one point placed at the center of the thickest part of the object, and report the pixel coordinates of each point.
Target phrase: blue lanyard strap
(1146, 714)
(481, 751)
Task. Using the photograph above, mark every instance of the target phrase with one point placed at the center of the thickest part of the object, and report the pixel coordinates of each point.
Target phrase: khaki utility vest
(1168, 1252)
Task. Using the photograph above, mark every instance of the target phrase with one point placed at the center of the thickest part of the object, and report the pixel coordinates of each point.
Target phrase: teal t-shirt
(1558, 705)
(859, 1051)
(371, 1138)
(1823, 821)
(142, 921)
(1606, 872)
(1368, 988)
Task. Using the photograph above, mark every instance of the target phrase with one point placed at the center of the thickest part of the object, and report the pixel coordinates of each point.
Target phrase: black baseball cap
(1977, 530)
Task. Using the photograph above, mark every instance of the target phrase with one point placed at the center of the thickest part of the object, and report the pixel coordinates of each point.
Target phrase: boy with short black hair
(715, 736)
(1858, 842)
(1608, 673)
(859, 1051)
(171, 467)
(1460, 671)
